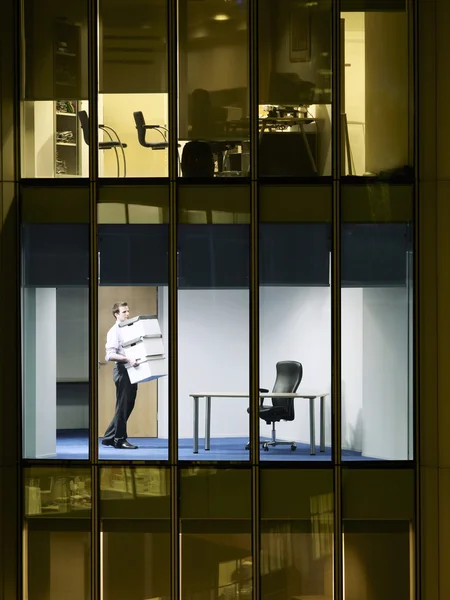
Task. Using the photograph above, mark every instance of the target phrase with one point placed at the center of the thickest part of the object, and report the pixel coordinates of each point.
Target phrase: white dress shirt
(114, 342)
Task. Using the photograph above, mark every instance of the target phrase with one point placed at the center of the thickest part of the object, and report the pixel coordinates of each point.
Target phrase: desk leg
(322, 423)
(195, 449)
(312, 432)
(207, 422)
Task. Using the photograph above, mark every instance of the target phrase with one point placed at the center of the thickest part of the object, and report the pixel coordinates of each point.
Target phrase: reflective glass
(135, 532)
(55, 330)
(215, 541)
(213, 321)
(213, 88)
(376, 56)
(133, 323)
(294, 88)
(56, 533)
(54, 90)
(378, 534)
(133, 99)
(377, 322)
(295, 322)
(297, 534)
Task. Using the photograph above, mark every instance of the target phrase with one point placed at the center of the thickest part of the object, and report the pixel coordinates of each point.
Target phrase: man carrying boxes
(136, 347)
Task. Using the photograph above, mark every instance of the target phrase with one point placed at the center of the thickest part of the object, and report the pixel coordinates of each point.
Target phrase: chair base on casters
(274, 442)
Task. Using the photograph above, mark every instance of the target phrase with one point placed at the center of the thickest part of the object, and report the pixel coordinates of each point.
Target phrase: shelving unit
(67, 139)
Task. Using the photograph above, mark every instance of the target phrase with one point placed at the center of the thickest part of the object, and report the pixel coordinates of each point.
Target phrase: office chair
(84, 122)
(142, 130)
(197, 160)
(289, 376)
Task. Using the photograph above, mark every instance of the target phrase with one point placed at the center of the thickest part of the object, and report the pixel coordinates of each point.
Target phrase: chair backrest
(140, 126)
(289, 376)
(197, 160)
(84, 122)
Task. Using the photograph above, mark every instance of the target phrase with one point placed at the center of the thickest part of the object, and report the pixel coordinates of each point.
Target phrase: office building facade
(268, 180)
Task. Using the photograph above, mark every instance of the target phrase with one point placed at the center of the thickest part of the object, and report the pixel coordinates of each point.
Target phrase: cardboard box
(147, 370)
(133, 330)
(145, 347)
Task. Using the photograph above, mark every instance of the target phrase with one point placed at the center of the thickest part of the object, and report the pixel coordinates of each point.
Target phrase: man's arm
(112, 347)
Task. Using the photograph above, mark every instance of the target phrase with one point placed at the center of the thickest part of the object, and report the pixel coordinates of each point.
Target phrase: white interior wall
(44, 138)
(385, 373)
(72, 334)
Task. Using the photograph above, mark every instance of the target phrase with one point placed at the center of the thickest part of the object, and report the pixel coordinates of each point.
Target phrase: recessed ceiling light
(221, 17)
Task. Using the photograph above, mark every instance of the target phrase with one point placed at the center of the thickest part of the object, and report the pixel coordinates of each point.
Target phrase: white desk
(309, 396)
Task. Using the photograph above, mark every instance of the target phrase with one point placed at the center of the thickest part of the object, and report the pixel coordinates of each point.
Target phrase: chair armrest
(262, 391)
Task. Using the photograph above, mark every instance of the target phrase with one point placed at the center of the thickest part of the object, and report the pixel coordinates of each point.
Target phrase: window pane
(56, 534)
(378, 534)
(213, 321)
(377, 322)
(213, 88)
(376, 56)
(133, 88)
(295, 322)
(216, 534)
(296, 534)
(133, 269)
(55, 335)
(55, 77)
(135, 532)
(294, 88)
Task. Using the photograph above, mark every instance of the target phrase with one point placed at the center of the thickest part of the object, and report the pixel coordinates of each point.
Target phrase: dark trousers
(125, 399)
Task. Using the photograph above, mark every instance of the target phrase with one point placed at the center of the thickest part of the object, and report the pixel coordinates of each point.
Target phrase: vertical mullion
(93, 291)
(336, 300)
(172, 49)
(254, 296)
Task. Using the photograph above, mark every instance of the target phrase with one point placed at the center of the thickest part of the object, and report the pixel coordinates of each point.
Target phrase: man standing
(116, 434)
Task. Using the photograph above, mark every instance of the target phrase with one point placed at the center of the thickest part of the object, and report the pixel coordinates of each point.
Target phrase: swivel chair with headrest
(289, 376)
(108, 145)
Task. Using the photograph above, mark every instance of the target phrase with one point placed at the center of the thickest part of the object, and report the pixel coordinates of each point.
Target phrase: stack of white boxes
(142, 341)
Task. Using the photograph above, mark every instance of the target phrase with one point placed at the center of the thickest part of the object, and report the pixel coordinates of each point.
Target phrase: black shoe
(124, 445)
(108, 442)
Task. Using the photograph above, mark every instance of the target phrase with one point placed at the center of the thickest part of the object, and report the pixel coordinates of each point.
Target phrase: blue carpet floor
(73, 444)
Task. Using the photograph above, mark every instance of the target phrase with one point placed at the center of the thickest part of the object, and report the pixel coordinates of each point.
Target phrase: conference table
(305, 396)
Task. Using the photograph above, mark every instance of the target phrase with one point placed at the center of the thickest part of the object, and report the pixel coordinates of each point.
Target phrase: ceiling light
(221, 17)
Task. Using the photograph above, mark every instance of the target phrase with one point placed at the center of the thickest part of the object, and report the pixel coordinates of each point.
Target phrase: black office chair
(289, 376)
(197, 160)
(111, 144)
(142, 130)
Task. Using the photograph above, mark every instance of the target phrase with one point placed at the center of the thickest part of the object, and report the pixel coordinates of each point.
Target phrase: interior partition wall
(258, 261)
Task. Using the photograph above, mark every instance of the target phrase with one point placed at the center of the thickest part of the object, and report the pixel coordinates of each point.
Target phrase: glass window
(376, 56)
(213, 88)
(55, 330)
(56, 536)
(377, 322)
(378, 534)
(296, 534)
(135, 532)
(213, 321)
(54, 92)
(295, 322)
(132, 101)
(133, 322)
(294, 88)
(215, 542)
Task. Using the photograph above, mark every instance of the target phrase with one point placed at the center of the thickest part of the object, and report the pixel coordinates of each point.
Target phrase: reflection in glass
(294, 88)
(55, 89)
(213, 88)
(375, 125)
(216, 534)
(56, 538)
(297, 537)
(133, 96)
(133, 323)
(213, 328)
(377, 329)
(55, 348)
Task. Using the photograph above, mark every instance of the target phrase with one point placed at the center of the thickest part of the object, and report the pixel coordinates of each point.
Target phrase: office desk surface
(311, 396)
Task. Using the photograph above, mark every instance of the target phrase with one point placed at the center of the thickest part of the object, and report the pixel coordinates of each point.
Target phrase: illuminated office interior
(247, 173)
